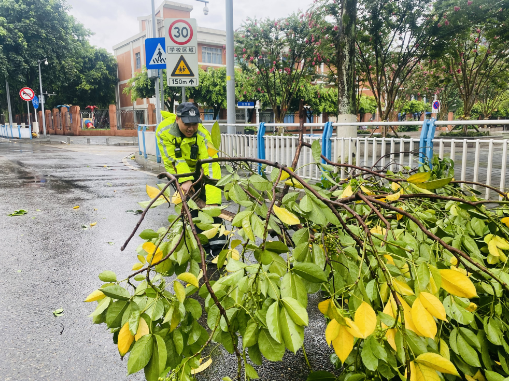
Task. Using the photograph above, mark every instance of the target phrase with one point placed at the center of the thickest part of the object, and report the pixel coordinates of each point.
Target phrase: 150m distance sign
(181, 52)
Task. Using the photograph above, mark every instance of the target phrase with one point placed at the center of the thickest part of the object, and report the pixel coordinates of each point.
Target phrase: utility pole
(159, 78)
(8, 102)
(230, 68)
(42, 97)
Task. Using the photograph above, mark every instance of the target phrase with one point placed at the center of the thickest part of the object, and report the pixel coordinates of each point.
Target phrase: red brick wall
(124, 66)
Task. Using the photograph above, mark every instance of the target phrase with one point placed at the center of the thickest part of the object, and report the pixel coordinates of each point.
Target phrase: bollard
(88, 140)
(107, 141)
(68, 140)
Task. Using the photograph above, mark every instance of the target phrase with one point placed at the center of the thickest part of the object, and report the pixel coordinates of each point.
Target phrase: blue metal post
(429, 141)
(19, 132)
(261, 144)
(158, 153)
(144, 148)
(326, 141)
(30, 131)
(139, 144)
(422, 141)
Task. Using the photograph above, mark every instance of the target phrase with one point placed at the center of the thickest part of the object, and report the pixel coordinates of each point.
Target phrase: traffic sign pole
(158, 109)
(42, 101)
(230, 68)
(181, 53)
(8, 102)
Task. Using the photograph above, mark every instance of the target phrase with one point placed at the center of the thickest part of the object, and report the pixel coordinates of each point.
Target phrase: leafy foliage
(411, 267)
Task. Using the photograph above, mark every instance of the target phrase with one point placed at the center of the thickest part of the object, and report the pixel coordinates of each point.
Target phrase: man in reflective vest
(182, 141)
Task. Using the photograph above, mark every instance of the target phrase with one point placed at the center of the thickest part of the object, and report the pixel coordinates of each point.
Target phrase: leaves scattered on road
(135, 212)
(19, 212)
(58, 312)
(93, 223)
(76, 207)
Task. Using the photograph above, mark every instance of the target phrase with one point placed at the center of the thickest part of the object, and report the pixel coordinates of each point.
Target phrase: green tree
(31, 30)
(281, 54)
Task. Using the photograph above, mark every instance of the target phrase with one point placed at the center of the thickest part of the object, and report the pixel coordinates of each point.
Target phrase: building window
(208, 114)
(211, 55)
(138, 60)
(290, 118)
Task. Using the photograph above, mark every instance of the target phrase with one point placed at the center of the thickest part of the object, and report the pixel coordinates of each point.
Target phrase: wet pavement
(49, 261)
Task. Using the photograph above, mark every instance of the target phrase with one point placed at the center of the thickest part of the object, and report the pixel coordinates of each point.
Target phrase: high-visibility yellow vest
(169, 136)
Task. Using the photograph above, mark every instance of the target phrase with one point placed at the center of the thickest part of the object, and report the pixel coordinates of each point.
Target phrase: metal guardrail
(483, 164)
(15, 131)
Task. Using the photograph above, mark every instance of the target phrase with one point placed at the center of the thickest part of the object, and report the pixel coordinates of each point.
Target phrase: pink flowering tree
(279, 55)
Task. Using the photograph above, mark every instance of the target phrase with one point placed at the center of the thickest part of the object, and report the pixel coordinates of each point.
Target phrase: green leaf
(260, 183)
(388, 320)
(257, 226)
(58, 312)
(470, 337)
(114, 314)
(148, 234)
(270, 348)
(300, 236)
(368, 357)
(246, 227)
(251, 372)
(157, 363)
(316, 150)
(101, 306)
(19, 212)
(250, 337)
(237, 220)
(194, 307)
(468, 354)
(297, 312)
(140, 354)
(178, 340)
(224, 180)
(310, 272)
(423, 276)
(306, 204)
(277, 247)
(293, 334)
(293, 287)
(274, 174)
(134, 320)
(492, 332)
(255, 355)
(215, 135)
(494, 376)
(116, 292)
(435, 184)
(301, 251)
(273, 322)
(108, 276)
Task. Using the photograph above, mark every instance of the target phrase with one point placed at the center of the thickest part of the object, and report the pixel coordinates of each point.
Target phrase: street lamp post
(230, 68)
(42, 95)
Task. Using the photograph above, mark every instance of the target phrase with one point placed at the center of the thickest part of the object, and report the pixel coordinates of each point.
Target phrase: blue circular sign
(436, 105)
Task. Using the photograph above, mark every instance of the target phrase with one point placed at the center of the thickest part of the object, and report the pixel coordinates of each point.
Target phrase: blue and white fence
(478, 160)
(14, 131)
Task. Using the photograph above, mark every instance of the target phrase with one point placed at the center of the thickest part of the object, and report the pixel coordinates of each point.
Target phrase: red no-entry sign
(27, 94)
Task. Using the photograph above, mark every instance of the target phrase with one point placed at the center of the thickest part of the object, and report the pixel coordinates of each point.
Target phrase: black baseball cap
(188, 112)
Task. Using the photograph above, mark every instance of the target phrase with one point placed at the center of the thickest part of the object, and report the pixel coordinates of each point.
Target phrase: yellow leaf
(393, 197)
(395, 186)
(95, 296)
(76, 207)
(488, 238)
(294, 183)
(93, 223)
(389, 259)
(125, 339)
(378, 230)
(479, 376)
(202, 367)
(457, 284)
(425, 373)
(152, 192)
(433, 286)
(460, 270)
(437, 362)
(454, 261)
(366, 190)
(407, 313)
(141, 258)
(444, 350)
(137, 266)
(285, 175)
(405, 270)
(189, 278)
(353, 329)
(384, 291)
(324, 306)
(365, 319)
(211, 150)
(149, 247)
(142, 329)
(505, 221)
(343, 343)
(391, 338)
(347, 192)
(402, 288)
(180, 291)
(234, 254)
(419, 177)
(332, 331)
(157, 257)
(389, 310)
(433, 305)
(211, 233)
(285, 216)
(423, 320)
(501, 243)
(176, 199)
(222, 230)
(493, 249)
(472, 307)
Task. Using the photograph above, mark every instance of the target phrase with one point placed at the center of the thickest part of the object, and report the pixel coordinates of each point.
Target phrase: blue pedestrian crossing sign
(35, 102)
(155, 53)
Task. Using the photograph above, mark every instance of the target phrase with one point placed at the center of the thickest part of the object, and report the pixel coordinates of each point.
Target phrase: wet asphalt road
(48, 261)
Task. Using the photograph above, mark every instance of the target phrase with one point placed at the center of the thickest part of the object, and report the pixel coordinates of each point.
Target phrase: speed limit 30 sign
(181, 52)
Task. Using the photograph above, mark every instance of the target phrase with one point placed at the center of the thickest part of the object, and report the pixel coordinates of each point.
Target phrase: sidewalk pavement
(84, 140)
